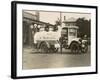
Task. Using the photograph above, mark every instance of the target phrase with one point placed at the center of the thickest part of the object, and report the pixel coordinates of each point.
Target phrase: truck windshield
(72, 32)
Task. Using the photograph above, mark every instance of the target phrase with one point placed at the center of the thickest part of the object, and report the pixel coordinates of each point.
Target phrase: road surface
(34, 59)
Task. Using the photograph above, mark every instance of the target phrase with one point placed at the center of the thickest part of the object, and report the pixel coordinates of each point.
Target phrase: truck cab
(70, 40)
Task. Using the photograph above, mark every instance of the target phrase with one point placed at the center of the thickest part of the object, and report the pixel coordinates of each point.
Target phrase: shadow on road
(58, 53)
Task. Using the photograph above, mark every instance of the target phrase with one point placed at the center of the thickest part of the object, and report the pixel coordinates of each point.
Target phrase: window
(72, 32)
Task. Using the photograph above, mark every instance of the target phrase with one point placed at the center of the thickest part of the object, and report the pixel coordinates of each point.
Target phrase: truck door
(64, 33)
(64, 37)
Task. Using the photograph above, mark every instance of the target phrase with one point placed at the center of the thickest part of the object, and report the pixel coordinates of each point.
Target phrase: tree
(57, 23)
(84, 27)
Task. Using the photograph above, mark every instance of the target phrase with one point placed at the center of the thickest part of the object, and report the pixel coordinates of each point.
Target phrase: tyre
(75, 47)
(43, 47)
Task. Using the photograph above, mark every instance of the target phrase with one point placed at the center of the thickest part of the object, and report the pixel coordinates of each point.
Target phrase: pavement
(34, 59)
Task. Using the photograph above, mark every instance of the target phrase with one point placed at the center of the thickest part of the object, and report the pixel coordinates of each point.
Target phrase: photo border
(14, 38)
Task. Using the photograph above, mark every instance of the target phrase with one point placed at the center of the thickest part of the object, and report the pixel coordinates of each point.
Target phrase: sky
(51, 17)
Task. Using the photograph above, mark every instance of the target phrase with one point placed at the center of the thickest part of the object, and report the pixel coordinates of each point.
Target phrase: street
(34, 59)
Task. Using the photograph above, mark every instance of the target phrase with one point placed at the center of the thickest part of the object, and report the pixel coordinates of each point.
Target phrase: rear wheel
(44, 48)
(74, 47)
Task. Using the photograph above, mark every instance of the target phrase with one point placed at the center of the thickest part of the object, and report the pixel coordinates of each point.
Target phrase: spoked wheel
(44, 48)
(75, 47)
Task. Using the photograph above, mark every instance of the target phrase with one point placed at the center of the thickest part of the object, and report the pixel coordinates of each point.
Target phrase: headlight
(83, 45)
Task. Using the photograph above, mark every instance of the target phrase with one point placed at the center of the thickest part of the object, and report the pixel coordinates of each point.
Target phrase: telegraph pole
(37, 15)
(61, 35)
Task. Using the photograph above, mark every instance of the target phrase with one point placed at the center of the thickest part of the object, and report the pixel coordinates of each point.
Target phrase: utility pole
(37, 15)
(61, 36)
(61, 19)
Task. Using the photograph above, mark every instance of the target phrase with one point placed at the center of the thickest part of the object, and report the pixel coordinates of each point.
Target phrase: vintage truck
(64, 37)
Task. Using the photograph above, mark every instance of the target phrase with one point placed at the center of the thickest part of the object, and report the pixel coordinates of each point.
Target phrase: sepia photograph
(53, 39)
(56, 39)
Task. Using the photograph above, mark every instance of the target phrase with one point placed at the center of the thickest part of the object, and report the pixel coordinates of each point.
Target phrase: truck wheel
(74, 47)
(44, 48)
(85, 49)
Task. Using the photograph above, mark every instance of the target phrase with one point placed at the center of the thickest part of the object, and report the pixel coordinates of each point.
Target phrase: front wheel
(74, 47)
